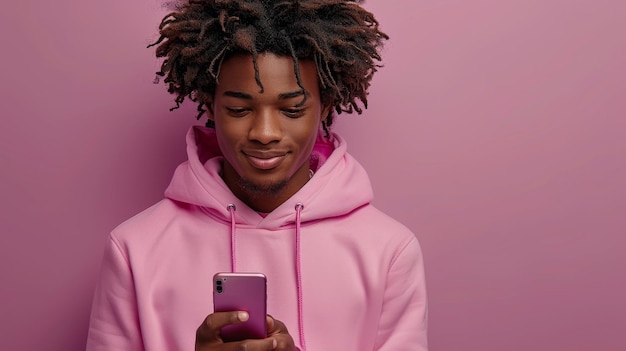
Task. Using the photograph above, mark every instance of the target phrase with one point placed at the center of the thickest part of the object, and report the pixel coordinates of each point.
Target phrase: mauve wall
(496, 131)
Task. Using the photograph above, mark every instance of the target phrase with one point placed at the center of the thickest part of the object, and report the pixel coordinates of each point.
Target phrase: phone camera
(219, 289)
(219, 282)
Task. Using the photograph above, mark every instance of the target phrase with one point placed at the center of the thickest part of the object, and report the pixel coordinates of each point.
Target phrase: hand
(208, 334)
(277, 330)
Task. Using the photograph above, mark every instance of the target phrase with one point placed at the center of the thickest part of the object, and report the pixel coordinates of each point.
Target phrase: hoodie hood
(339, 185)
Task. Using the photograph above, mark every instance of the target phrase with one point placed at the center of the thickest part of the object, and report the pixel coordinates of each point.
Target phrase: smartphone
(242, 292)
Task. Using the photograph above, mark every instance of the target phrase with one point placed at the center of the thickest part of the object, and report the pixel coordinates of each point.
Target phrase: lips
(265, 160)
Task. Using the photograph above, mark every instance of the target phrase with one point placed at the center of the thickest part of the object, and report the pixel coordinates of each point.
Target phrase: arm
(114, 321)
(403, 321)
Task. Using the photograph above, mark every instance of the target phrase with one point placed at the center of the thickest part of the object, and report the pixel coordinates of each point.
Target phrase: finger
(278, 325)
(268, 344)
(270, 323)
(284, 342)
(278, 330)
(211, 326)
(275, 326)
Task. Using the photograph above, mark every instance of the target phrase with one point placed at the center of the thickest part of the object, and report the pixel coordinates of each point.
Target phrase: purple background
(496, 131)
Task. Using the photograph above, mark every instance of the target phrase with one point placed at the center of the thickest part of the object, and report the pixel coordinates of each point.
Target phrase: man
(267, 188)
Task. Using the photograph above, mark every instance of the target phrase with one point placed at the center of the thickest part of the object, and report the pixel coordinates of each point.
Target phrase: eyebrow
(237, 94)
(283, 96)
(292, 94)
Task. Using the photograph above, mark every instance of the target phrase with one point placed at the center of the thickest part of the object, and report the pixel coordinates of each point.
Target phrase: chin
(268, 188)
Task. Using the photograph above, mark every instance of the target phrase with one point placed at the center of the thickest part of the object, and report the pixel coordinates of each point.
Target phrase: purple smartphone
(242, 292)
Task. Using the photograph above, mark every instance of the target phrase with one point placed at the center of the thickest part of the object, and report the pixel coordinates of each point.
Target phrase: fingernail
(242, 316)
(274, 343)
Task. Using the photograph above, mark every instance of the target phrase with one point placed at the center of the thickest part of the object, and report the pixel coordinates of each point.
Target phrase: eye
(293, 112)
(237, 112)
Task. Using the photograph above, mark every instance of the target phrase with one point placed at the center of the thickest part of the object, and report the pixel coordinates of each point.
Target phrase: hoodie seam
(118, 247)
(391, 264)
(400, 252)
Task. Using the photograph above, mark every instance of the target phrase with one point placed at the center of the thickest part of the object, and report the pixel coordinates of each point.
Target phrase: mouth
(265, 160)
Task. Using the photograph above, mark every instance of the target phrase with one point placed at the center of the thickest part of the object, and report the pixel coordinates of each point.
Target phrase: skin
(266, 139)
(208, 334)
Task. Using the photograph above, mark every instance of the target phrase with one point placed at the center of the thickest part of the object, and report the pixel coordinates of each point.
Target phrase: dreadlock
(340, 37)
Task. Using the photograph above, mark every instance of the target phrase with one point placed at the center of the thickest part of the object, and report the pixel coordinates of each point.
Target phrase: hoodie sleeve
(403, 322)
(114, 323)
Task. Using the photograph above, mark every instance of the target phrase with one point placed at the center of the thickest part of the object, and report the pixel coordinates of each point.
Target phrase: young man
(267, 188)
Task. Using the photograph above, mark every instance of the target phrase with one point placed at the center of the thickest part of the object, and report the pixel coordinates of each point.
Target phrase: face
(266, 137)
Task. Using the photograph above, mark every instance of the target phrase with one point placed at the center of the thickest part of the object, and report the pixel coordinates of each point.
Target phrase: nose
(266, 127)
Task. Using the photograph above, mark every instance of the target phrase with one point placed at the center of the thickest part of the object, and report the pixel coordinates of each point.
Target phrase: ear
(325, 112)
(209, 110)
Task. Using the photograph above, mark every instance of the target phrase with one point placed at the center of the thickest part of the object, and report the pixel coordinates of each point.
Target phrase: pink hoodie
(341, 274)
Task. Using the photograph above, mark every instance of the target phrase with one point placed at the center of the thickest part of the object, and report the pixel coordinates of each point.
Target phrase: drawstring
(233, 242)
(233, 262)
(299, 208)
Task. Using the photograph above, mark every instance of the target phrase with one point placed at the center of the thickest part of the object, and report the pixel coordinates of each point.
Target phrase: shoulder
(151, 223)
(374, 232)
(372, 220)
(396, 234)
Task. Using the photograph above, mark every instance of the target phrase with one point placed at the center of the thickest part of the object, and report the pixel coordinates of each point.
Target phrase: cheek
(306, 137)
(226, 144)
(309, 129)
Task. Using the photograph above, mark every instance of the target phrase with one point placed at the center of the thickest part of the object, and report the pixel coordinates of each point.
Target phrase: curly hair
(340, 37)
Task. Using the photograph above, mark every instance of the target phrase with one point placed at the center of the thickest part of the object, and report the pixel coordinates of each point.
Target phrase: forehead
(276, 73)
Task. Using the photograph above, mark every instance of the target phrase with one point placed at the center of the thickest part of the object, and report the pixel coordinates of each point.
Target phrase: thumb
(270, 323)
